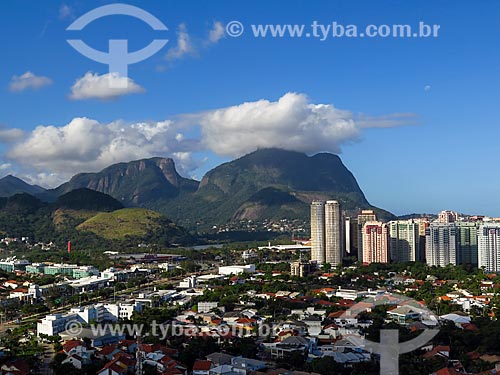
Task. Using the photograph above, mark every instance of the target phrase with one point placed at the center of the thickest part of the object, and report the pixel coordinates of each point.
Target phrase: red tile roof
(447, 371)
(107, 350)
(202, 365)
(71, 344)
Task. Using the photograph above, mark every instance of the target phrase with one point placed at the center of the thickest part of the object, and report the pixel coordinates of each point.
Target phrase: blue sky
(440, 151)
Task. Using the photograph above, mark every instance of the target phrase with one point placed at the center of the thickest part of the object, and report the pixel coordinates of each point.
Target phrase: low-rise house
(201, 367)
(227, 370)
(247, 364)
(219, 359)
(77, 361)
(288, 346)
(313, 323)
(115, 367)
(15, 367)
(404, 314)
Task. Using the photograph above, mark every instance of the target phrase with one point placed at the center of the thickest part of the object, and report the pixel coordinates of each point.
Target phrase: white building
(54, 324)
(404, 241)
(441, 244)
(349, 293)
(188, 283)
(236, 270)
(488, 242)
(318, 232)
(90, 283)
(204, 307)
(334, 240)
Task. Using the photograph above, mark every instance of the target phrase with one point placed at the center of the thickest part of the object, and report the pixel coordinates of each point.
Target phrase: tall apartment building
(375, 242)
(300, 268)
(404, 241)
(467, 250)
(488, 242)
(423, 224)
(318, 232)
(350, 235)
(327, 241)
(333, 233)
(447, 217)
(441, 244)
(363, 217)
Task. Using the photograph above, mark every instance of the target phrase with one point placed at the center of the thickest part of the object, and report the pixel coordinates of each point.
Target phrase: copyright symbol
(234, 29)
(74, 328)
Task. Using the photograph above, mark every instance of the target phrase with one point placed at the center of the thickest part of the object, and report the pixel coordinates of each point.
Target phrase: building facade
(488, 242)
(363, 217)
(375, 242)
(447, 217)
(318, 232)
(404, 241)
(300, 268)
(467, 249)
(333, 233)
(441, 244)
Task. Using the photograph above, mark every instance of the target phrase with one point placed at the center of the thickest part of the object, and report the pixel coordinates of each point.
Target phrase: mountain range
(87, 217)
(265, 184)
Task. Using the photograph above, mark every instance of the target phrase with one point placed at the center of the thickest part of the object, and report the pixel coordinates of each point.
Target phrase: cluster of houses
(313, 331)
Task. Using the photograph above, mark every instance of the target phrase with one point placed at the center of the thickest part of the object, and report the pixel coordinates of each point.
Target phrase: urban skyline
(447, 240)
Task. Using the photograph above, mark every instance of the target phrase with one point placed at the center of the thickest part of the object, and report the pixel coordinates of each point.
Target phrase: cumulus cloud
(184, 46)
(27, 81)
(103, 87)
(291, 122)
(216, 33)
(187, 46)
(55, 153)
(8, 135)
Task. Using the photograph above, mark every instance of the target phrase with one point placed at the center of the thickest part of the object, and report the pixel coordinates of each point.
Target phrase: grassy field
(133, 222)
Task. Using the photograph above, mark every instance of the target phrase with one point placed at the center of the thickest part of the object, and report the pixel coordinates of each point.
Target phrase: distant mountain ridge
(265, 184)
(268, 184)
(89, 218)
(133, 184)
(10, 185)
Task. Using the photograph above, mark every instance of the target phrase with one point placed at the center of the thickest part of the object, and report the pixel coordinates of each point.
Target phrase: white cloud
(8, 135)
(85, 145)
(183, 47)
(188, 46)
(386, 121)
(291, 122)
(55, 153)
(43, 179)
(65, 11)
(27, 81)
(216, 33)
(104, 87)
(427, 88)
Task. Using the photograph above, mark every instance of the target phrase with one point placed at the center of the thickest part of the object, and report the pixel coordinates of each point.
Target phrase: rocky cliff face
(137, 183)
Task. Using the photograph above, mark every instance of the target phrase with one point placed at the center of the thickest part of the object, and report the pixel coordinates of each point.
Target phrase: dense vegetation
(23, 215)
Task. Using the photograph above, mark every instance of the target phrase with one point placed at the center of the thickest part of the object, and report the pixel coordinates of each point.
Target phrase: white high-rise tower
(333, 233)
(318, 232)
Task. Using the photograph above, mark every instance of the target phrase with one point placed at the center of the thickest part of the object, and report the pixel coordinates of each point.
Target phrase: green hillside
(137, 223)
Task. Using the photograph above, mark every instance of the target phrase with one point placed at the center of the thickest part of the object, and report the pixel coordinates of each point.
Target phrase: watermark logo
(334, 30)
(118, 57)
(235, 29)
(389, 348)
